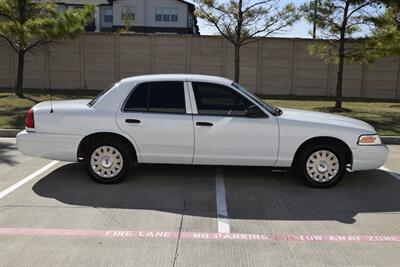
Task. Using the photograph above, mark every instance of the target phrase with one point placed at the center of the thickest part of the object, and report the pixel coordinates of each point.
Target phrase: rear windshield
(94, 100)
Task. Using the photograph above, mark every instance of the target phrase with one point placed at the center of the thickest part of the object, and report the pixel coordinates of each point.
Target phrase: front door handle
(132, 121)
(201, 123)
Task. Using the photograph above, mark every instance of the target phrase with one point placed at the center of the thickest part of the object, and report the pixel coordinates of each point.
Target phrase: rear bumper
(369, 157)
(49, 146)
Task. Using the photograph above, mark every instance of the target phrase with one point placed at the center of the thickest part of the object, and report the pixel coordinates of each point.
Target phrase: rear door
(156, 115)
(225, 135)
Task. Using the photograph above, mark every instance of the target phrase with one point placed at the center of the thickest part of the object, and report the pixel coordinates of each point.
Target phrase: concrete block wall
(272, 66)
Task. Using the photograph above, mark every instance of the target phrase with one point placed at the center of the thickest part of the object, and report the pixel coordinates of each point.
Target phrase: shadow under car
(252, 193)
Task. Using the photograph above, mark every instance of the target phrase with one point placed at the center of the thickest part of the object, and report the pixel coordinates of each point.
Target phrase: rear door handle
(132, 121)
(201, 123)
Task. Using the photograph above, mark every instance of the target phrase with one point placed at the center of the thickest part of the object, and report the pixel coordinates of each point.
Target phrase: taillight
(30, 121)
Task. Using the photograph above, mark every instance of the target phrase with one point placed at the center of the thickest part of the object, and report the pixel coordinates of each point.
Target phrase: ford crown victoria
(195, 119)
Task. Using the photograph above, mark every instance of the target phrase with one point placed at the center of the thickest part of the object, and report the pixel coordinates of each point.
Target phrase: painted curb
(391, 140)
(388, 140)
(9, 132)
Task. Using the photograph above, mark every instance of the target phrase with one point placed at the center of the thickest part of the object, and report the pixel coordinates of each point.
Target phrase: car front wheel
(107, 163)
(322, 165)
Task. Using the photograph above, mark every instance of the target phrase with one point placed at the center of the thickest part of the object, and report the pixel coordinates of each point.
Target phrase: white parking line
(27, 179)
(392, 173)
(222, 211)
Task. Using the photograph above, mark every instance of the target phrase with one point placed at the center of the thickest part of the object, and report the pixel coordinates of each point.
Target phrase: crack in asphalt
(183, 209)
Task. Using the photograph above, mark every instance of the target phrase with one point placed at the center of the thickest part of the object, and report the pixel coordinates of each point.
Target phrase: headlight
(369, 140)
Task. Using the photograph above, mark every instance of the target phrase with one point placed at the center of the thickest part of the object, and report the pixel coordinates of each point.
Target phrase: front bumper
(369, 157)
(49, 146)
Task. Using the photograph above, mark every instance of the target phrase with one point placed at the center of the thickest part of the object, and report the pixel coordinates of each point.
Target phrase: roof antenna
(48, 75)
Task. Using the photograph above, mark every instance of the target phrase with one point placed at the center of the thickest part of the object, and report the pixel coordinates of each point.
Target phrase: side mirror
(254, 112)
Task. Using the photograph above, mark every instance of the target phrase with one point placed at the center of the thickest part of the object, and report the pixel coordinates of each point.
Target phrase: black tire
(301, 164)
(122, 148)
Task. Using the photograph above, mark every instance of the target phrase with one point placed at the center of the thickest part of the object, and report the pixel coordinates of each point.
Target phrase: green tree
(26, 24)
(386, 35)
(128, 17)
(342, 22)
(243, 22)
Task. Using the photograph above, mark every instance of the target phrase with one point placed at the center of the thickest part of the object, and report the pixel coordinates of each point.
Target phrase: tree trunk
(237, 64)
(342, 41)
(20, 75)
(238, 40)
(21, 52)
(314, 33)
(339, 85)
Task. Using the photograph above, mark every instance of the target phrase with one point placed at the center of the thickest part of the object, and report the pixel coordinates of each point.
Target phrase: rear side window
(215, 99)
(138, 99)
(161, 97)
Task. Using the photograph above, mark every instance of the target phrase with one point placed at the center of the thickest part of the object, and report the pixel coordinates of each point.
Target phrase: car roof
(177, 77)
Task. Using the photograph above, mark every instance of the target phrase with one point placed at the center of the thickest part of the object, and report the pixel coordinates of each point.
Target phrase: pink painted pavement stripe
(198, 236)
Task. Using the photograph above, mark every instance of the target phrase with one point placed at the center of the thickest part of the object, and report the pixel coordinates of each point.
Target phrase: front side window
(160, 97)
(215, 99)
(268, 107)
(108, 15)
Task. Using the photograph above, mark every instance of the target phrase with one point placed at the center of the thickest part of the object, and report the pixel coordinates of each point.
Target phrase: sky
(301, 29)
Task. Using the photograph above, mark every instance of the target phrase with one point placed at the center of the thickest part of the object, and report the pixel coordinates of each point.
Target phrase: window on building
(174, 14)
(166, 14)
(61, 8)
(108, 15)
(158, 14)
(128, 13)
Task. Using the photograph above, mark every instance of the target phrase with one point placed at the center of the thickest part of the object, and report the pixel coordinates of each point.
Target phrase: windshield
(94, 100)
(269, 108)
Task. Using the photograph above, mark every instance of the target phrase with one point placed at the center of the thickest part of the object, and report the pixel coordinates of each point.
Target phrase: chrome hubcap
(106, 161)
(322, 166)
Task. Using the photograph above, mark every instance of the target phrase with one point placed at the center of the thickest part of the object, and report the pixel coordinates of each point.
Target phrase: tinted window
(138, 99)
(255, 98)
(166, 97)
(214, 99)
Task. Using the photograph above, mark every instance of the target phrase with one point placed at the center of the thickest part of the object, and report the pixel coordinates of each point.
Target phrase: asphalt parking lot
(52, 214)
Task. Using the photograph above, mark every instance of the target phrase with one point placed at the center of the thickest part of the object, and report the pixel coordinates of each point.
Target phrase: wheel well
(326, 140)
(88, 140)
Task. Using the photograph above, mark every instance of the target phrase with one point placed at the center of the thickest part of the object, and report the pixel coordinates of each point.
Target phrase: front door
(155, 116)
(225, 135)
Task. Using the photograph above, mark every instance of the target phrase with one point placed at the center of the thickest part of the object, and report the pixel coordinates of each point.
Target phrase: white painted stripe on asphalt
(27, 179)
(222, 211)
(201, 235)
(392, 173)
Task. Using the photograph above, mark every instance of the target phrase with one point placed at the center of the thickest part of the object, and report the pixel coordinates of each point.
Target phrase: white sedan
(195, 119)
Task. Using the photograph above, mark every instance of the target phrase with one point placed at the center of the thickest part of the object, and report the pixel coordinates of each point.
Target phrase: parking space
(195, 216)
(13, 165)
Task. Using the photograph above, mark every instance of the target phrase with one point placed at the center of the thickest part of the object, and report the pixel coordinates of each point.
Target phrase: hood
(324, 118)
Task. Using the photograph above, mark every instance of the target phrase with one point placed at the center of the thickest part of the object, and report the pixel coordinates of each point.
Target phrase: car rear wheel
(321, 165)
(108, 162)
